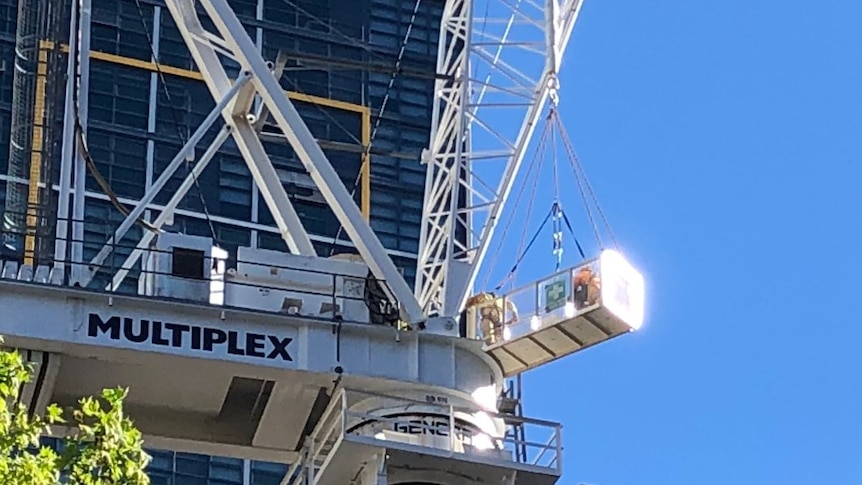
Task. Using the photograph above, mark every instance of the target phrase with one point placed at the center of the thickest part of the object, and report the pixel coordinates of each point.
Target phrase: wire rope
(379, 118)
(172, 109)
(496, 255)
(581, 174)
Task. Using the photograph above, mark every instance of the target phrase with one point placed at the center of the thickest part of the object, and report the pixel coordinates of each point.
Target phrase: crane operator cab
(558, 315)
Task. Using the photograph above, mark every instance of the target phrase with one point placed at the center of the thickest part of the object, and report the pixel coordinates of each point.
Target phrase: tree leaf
(105, 448)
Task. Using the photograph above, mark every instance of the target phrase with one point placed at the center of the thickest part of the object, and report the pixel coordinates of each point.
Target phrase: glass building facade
(339, 50)
(342, 51)
(171, 468)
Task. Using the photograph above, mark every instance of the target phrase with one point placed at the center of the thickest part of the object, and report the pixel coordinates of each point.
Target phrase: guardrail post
(334, 298)
(343, 413)
(310, 471)
(451, 428)
(538, 303)
(559, 433)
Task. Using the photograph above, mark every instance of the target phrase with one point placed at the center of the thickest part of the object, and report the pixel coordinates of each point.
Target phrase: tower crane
(333, 364)
(463, 205)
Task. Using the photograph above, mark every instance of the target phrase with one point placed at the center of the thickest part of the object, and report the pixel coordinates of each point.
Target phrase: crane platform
(560, 315)
(301, 378)
(419, 437)
(216, 379)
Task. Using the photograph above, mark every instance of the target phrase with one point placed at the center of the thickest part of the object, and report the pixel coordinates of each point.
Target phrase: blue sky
(723, 142)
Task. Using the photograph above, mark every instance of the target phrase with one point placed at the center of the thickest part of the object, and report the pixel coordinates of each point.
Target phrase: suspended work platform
(559, 315)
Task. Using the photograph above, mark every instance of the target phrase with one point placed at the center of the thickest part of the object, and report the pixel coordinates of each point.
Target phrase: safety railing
(608, 281)
(332, 294)
(391, 421)
(559, 297)
(328, 431)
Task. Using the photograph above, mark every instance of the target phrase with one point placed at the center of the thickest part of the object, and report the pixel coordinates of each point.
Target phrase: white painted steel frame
(168, 213)
(234, 41)
(67, 159)
(488, 92)
(55, 319)
(180, 158)
(78, 206)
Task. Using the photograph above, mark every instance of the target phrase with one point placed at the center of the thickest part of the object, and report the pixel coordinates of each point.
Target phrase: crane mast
(469, 179)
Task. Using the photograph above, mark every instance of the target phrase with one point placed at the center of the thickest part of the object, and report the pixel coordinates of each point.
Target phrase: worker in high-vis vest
(586, 285)
(490, 310)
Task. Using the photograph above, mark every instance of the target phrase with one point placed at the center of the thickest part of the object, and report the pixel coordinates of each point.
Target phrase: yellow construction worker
(490, 310)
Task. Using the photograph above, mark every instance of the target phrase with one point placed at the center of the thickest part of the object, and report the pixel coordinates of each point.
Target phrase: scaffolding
(37, 107)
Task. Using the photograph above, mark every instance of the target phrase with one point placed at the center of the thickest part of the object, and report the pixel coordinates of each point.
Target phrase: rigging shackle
(553, 90)
(557, 211)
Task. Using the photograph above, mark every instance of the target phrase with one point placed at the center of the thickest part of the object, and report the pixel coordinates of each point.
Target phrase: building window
(263, 473)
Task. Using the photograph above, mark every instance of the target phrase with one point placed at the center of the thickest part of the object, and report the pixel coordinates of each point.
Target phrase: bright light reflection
(570, 310)
(535, 322)
(217, 285)
(622, 289)
(486, 397)
(482, 442)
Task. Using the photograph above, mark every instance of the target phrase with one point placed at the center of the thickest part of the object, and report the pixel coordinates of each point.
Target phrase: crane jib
(193, 337)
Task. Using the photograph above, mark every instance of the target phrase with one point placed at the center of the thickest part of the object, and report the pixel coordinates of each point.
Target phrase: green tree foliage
(104, 449)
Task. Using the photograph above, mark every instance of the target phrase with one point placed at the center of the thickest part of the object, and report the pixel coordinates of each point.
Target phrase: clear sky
(722, 139)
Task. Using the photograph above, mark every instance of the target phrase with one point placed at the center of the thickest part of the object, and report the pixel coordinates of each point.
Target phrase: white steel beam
(445, 158)
(234, 38)
(81, 323)
(180, 158)
(67, 158)
(167, 213)
(83, 112)
(473, 164)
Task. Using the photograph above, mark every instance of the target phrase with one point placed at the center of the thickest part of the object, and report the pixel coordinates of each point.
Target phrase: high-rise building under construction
(340, 57)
